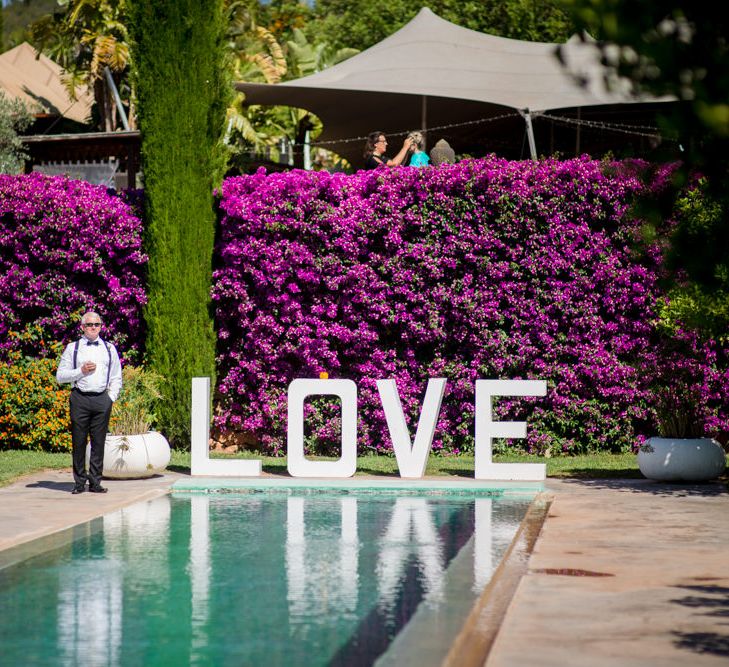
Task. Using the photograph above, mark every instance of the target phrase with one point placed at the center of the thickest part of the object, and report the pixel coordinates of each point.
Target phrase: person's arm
(400, 157)
(115, 374)
(66, 373)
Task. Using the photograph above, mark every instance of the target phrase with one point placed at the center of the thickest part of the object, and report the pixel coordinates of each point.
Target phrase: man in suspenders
(91, 365)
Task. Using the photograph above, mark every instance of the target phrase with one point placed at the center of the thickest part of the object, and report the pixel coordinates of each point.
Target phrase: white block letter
(298, 465)
(411, 457)
(201, 463)
(487, 429)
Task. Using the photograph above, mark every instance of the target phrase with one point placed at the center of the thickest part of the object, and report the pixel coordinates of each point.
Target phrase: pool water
(257, 579)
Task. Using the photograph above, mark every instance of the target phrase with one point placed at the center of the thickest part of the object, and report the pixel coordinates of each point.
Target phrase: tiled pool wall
(358, 485)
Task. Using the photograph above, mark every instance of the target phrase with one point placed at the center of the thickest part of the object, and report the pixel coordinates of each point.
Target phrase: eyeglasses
(87, 325)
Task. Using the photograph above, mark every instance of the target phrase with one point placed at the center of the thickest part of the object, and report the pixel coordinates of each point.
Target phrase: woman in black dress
(374, 153)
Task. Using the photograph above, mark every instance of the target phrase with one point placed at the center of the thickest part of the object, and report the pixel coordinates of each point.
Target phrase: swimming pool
(257, 578)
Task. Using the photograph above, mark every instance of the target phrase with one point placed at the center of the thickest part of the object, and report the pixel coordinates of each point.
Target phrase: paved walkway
(624, 572)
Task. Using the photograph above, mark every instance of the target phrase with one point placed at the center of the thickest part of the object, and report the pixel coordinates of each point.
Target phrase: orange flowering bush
(33, 408)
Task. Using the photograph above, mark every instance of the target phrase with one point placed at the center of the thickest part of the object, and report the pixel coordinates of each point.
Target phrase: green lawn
(14, 464)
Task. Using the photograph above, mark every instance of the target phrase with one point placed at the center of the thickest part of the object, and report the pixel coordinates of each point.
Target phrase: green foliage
(282, 16)
(680, 48)
(698, 308)
(698, 246)
(17, 17)
(674, 48)
(305, 57)
(14, 118)
(701, 238)
(134, 410)
(258, 55)
(182, 91)
(88, 38)
(678, 411)
(351, 23)
(33, 408)
(666, 48)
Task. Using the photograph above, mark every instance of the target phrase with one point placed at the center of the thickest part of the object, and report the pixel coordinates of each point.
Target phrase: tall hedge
(182, 90)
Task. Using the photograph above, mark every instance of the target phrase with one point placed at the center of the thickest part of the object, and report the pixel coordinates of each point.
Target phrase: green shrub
(33, 408)
(134, 410)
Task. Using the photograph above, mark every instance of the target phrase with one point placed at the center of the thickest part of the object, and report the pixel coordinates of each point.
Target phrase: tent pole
(307, 151)
(117, 99)
(530, 132)
(424, 115)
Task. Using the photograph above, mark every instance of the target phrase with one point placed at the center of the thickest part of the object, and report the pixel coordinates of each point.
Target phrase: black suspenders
(108, 366)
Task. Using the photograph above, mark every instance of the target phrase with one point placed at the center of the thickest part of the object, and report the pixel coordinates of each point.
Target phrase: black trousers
(89, 417)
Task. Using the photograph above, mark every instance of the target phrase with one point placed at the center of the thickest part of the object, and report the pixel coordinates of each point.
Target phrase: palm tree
(89, 40)
(255, 55)
(305, 58)
(258, 56)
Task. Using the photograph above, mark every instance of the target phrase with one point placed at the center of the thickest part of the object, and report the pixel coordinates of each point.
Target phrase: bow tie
(96, 342)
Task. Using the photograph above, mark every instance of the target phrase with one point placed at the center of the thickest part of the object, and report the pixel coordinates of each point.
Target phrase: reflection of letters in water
(411, 455)
(199, 571)
(411, 531)
(319, 586)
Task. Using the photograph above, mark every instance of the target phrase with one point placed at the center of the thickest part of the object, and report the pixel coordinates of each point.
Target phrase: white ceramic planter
(130, 456)
(681, 459)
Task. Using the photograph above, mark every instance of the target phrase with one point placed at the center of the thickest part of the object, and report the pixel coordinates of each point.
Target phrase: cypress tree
(182, 89)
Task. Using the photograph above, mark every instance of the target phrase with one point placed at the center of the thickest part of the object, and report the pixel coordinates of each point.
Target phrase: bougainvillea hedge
(67, 246)
(484, 269)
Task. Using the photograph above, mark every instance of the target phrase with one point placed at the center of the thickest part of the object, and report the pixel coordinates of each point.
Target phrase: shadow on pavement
(183, 470)
(675, 489)
(53, 486)
(703, 642)
(708, 600)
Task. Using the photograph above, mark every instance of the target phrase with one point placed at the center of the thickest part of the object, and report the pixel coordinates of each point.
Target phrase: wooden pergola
(86, 148)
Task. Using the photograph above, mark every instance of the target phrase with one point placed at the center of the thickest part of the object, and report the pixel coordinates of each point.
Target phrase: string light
(438, 128)
(623, 128)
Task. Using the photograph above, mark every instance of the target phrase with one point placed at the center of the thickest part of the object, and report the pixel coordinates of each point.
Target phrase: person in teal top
(419, 157)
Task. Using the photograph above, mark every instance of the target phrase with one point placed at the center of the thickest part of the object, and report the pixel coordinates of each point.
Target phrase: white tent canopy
(433, 73)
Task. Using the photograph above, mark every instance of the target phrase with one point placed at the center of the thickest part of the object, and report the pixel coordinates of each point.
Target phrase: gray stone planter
(681, 459)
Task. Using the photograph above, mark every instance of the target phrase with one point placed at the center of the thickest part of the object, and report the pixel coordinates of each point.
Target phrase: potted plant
(680, 452)
(132, 449)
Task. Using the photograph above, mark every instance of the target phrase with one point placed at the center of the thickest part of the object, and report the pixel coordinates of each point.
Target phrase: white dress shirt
(95, 381)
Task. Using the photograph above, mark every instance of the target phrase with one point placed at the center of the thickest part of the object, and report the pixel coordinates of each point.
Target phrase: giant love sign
(412, 455)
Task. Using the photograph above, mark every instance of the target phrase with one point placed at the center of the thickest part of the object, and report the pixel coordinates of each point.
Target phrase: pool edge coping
(472, 646)
(232, 484)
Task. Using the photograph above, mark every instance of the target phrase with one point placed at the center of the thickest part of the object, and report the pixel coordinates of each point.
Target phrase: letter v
(411, 458)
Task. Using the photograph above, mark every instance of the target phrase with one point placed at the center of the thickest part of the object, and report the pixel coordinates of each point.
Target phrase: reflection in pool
(258, 579)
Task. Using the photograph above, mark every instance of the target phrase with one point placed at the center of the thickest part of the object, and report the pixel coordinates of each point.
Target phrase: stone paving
(624, 572)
